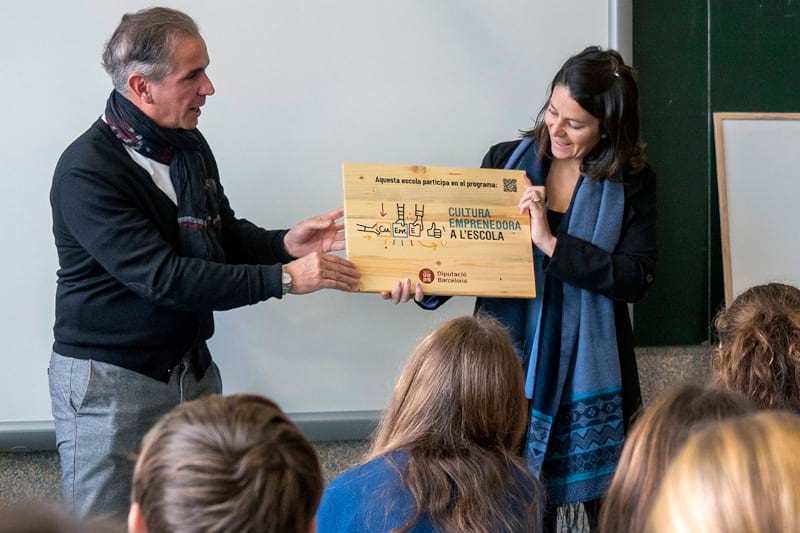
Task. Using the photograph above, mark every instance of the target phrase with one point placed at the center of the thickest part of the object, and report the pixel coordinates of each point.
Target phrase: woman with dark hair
(592, 206)
(759, 346)
(445, 454)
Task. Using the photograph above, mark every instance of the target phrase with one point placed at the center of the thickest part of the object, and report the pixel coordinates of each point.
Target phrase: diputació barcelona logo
(426, 275)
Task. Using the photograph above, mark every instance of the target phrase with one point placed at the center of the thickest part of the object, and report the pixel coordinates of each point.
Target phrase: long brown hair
(459, 410)
(734, 476)
(655, 438)
(759, 346)
(227, 463)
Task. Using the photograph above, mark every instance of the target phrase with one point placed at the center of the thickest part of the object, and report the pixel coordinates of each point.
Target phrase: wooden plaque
(457, 231)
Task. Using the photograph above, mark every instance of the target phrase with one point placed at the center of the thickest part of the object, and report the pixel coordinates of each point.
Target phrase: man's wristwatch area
(286, 282)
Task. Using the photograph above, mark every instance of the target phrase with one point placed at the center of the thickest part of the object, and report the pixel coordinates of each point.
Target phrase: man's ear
(136, 520)
(139, 86)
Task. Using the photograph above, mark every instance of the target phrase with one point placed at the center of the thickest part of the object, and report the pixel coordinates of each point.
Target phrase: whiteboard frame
(722, 185)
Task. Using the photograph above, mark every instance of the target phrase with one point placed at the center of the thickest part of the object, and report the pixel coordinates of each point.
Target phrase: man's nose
(207, 88)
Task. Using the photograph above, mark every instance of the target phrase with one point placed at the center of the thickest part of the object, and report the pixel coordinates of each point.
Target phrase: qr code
(509, 185)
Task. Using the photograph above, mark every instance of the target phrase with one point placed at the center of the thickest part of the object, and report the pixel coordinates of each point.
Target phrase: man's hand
(318, 270)
(324, 233)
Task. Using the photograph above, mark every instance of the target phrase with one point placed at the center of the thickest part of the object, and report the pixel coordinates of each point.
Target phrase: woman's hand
(401, 292)
(534, 200)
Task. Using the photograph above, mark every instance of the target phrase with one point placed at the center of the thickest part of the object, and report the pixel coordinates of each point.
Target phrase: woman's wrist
(548, 245)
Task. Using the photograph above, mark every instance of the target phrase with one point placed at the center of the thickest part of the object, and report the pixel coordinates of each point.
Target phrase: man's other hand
(323, 233)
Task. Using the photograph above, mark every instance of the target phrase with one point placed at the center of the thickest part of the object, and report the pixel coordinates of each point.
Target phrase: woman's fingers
(401, 292)
(532, 197)
(418, 295)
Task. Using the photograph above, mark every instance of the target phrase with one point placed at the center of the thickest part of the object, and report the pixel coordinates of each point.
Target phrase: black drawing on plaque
(399, 226)
(377, 228)
(415, 228)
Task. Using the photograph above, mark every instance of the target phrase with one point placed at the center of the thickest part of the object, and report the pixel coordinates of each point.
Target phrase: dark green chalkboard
(695, 58)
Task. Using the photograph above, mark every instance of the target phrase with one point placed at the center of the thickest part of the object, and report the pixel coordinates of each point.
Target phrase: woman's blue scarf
(567, 342)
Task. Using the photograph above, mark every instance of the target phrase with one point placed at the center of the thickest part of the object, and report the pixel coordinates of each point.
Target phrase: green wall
(695, 58)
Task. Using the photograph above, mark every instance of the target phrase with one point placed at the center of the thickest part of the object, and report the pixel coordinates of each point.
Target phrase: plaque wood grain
(457, 231)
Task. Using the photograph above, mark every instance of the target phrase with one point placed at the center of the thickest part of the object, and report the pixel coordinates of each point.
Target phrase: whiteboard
(300, 87)
(758, 173)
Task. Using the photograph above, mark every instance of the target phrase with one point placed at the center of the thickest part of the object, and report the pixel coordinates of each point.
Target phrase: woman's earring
(603, 136)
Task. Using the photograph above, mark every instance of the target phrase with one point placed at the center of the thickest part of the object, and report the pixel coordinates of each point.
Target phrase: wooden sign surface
(457, 231)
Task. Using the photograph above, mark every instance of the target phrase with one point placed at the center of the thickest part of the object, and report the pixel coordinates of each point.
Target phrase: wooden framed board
(458, 231)
(759, 184)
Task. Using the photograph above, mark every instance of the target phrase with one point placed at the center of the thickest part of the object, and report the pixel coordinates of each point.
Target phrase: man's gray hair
(143, 42)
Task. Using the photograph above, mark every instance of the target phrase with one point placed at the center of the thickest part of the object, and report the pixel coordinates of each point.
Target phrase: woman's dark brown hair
(459, 410)
(603, 85)
(656, 437)
(759, 346)
(227, 463)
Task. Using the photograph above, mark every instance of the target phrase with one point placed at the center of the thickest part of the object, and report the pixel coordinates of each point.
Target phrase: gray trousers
(101, 413)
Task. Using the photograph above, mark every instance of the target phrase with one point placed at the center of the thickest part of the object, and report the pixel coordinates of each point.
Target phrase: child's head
(759, 346)
(459, 412)
(657, 435)
(733, 476)
(463, 384)
(225, 463)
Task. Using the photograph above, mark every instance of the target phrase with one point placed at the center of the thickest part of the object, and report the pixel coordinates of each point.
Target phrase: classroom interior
(693, 59)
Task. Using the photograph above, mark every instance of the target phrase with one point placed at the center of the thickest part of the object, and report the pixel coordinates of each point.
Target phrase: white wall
(301, 87)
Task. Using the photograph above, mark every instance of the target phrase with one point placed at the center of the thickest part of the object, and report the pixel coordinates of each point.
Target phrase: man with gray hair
(148, 248)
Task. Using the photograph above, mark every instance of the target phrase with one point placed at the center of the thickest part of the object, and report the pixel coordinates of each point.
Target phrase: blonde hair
(759, 346)
(227, 463)
(655, 438)
(459, 410)
(737, 476)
